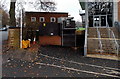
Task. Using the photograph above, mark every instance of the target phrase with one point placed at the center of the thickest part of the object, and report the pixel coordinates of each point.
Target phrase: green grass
(81, 29)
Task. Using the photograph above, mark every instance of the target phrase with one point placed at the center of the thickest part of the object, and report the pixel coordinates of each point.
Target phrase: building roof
(47, 12)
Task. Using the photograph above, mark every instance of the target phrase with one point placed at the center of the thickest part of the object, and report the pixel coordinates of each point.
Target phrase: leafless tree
(3, 9)
(3, 5)
(12, 13)
(46, 5)
(5, 17)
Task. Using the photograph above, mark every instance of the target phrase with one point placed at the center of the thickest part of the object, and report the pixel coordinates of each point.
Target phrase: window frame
(42, 18)
(51, 19)
(32, 19)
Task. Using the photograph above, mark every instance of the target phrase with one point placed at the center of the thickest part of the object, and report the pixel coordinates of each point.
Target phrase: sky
(72, 7)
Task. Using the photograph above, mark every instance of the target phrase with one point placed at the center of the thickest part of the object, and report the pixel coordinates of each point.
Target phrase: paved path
(56, 61)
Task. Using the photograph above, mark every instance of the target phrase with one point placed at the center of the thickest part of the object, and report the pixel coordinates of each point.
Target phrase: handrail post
(85, 46)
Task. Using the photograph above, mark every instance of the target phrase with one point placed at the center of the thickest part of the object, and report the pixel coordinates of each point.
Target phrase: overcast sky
(70, 6)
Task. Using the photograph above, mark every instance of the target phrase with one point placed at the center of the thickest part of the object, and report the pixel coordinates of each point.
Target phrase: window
(52, 19)
(42, 19)
(33, 19)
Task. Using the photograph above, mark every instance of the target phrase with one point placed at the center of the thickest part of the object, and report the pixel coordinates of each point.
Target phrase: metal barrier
(116, 43)
(85, 45)
(112, 35)
(100, 42)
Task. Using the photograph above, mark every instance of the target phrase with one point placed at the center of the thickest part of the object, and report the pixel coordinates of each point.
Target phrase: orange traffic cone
(34, 42)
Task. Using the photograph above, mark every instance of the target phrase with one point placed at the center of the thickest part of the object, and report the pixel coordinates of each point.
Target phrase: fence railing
(85, 45)
(115, 43)
(99, 38)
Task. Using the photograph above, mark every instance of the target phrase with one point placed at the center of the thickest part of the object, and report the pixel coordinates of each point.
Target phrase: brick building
(34, 19)
(37, 23)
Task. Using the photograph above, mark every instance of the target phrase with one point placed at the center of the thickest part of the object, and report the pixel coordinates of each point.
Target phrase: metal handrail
(99, 37)
(117, 45)
(85, 45)
(110, 32)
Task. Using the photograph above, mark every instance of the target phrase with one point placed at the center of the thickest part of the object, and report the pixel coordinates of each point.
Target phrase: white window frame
(52, 18)
(33, 18)
(42, 18)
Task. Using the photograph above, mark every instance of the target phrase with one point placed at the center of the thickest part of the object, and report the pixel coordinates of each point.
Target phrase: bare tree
(46, 5)
(5, 18)
(12, 13)
(3, 9)
(3, 5)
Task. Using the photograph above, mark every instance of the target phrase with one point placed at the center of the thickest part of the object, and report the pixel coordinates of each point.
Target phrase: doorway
(99, 20)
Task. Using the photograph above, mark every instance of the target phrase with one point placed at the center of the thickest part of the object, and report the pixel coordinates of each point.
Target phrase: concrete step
(92, 32)
(108, 46)
(104, 32)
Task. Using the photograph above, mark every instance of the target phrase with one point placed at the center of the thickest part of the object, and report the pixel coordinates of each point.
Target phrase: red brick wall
(46, 15)
(50, 40)
(119, 10)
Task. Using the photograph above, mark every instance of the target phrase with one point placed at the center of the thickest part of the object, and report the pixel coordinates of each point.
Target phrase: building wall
(0, 18)
(119, 11)
(46, 15)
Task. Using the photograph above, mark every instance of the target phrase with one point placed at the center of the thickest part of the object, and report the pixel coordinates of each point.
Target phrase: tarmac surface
(55, 61)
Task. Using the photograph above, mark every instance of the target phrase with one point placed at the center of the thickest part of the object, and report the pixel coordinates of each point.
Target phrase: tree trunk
(12, 13)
